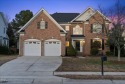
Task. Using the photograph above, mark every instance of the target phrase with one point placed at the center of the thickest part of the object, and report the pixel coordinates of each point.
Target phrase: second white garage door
(52, 47)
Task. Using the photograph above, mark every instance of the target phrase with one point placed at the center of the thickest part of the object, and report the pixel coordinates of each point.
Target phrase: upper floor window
(96, 28)
(77, 30)
(67, 27)
(42, 24)
(4, 30)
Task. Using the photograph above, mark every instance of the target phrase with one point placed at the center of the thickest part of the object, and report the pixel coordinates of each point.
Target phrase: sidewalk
(90, 73)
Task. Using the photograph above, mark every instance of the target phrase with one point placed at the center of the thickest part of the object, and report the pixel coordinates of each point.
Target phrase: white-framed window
(67, 27)
(77, 30)
(4, 30)
(97, 28)
(4, 42)
(42, 24)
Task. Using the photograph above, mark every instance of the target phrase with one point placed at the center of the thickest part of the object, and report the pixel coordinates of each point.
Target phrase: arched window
(77, 30)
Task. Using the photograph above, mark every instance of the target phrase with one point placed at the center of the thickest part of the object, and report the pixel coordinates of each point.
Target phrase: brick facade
(97, 18)
(52, 31)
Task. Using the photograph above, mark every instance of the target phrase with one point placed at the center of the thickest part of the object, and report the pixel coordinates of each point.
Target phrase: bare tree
(117, 17)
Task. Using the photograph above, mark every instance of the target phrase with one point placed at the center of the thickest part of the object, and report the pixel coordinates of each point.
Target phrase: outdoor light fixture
(67, 43)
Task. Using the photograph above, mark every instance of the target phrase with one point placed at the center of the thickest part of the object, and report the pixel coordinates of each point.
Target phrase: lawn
(91, 64)
(6, 58)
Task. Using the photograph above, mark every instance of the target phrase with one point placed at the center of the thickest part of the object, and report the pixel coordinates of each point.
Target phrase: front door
(78, 45)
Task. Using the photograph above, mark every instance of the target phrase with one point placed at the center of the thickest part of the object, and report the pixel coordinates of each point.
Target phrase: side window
(4, 30)
(67, 28)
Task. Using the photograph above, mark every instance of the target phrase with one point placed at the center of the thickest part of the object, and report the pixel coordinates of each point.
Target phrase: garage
(32, 47)
(52, 47)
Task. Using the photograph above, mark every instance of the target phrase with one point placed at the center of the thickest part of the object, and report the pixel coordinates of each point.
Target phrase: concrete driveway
(30, 67)
(39, 70)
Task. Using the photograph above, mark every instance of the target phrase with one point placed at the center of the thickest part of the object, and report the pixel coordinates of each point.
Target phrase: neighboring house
(4, 40)
(44, 34)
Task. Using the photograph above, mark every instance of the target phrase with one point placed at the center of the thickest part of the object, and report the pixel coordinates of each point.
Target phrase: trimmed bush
(94, 51)
(71, 51)
(96, 44)
(4, 50)
(95, 47)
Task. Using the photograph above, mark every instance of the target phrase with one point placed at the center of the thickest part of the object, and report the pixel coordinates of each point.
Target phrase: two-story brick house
(81, 29)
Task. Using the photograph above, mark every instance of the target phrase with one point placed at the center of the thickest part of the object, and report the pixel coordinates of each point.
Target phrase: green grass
(92, 64)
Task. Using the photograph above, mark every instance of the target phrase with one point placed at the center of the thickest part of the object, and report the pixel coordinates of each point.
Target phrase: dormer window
(42, 24)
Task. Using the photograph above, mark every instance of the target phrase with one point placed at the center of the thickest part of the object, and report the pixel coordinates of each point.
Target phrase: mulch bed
(93, 77)
(92, 64)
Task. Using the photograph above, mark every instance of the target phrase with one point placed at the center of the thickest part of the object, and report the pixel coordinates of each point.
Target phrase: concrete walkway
(89, 73)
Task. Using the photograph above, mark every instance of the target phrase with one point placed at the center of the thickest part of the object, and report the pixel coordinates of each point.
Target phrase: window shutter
(102, 44)
(91, 28)
(102, 28)
(38, 25)
(46, 25)
(91, 43)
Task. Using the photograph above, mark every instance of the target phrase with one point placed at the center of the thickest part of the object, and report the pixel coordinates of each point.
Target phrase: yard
(92, 64)
(6, 58)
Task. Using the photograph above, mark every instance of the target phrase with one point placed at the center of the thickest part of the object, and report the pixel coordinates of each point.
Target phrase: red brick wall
(87, 32)
(42, 34)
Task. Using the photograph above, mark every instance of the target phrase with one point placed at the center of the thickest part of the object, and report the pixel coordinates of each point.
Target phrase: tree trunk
(119, 54)
(114, 51)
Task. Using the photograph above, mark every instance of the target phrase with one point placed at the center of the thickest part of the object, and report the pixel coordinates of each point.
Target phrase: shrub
(71, 51)
(96, 44)
(108, 53)
(94, 51)
(4, 50)
(95, 47)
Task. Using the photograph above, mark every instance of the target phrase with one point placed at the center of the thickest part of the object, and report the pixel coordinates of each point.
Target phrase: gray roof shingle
(64, 17)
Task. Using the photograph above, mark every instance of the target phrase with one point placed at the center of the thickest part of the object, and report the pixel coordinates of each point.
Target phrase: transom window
(77, 30)
(97, 28)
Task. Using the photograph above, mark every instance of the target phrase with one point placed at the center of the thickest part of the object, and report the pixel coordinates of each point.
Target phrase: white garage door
(32, 47)
(52, 48)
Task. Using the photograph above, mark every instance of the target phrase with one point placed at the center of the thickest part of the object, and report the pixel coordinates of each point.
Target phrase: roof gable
(42, 10)
(99, 14)
(85, 14)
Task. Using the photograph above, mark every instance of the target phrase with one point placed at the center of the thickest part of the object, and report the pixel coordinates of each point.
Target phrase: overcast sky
(12, 7)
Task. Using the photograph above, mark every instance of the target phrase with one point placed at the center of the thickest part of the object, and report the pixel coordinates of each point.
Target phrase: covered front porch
(78, 42)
